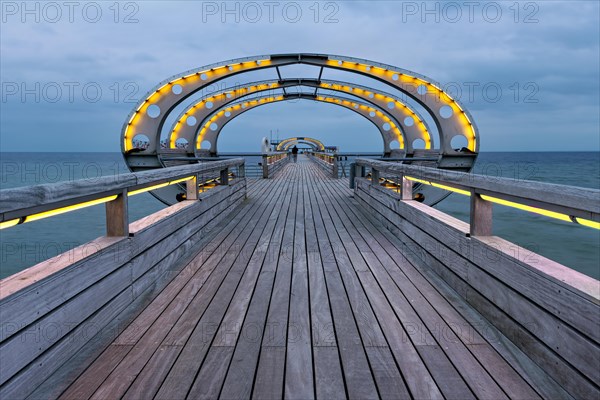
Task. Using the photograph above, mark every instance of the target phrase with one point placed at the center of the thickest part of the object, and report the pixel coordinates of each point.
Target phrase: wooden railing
(272, 162)
(574, 204)
(327, 161)
(26, 204)
(53, 310)
(545, 311)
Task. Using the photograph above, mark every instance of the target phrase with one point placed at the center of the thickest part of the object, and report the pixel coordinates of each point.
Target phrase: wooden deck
(300, 294)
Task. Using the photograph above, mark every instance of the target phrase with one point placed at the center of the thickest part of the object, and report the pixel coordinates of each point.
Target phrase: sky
(528, 72)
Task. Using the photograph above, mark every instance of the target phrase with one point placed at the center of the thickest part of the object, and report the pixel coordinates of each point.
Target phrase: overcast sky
(528, 72)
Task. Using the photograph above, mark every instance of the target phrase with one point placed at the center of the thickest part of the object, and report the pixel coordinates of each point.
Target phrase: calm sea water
(572, 245)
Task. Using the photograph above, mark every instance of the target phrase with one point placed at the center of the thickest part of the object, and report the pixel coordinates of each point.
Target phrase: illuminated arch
(449, 116)
(285, 144)
(210, 129)
(408, 120)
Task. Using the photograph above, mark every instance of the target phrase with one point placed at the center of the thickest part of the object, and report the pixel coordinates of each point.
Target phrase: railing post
(242, 170)
(335, 167)
(224, 175)
(191, 186)
(265, 166)
(407, 188)
(374, 176)
(359, 171)
(117, 216)
(481, 216)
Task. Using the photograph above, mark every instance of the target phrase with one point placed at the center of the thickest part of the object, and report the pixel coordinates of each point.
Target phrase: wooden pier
(299, 287)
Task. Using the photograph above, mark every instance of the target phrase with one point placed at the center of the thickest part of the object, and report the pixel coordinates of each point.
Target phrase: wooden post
(335, 167)
(242, 171)
(374, 176)
(407, 188)
(117, 216)
(481, 216)
(191, 186)
(225, 176)
(265, 166)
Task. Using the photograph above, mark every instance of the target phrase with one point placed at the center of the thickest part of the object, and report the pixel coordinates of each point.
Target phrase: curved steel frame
(285, 144)
(411, 124)
(149, 115)
(450, 118)
(210, 129)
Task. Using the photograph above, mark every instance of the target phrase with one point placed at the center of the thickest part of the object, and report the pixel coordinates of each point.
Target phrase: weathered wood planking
(117, 275)
(305, 293)
(440, 320)
(505, 282)
(190, 279)
(330, 169)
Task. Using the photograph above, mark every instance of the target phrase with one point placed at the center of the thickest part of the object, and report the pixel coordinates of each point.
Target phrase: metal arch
(403, 112)
(297, 142)
(171, 92)
(400, 112)
(286, 143)
(228, 113)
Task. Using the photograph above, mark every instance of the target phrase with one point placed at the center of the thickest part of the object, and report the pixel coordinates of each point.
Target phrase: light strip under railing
(535, 210)
(73, 207)
(160, 185)
(57, 211)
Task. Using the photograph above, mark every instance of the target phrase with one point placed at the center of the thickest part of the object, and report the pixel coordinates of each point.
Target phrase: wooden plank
(22, 384)
(21, 349)
(389, 380)
(559, 336)
(556, 373)
(269, 384)
(233, 323)
(445, 374)
(329, 380)
(299, 383)
(269, 381)
(514, 385)
(138, 328)
(32, 293)
(543, 382)
(514, 272)
(359, 381)
(240, 376)
(205, 323)
(356, 370)
(108, 360)
(418, 378)
(141, 292)
(210, 377)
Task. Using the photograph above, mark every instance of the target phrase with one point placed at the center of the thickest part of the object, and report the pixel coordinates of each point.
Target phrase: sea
(573, 245)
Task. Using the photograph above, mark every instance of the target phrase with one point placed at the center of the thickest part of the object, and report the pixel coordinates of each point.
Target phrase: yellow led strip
(551, 214)
(588, 223)
(205, 76)
(62, 210)
(9, 223)
(160, 185)
(56, 211)
(541, 211)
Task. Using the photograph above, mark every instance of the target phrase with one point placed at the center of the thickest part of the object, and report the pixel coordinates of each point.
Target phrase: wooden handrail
(271, 162)
(575, 202)
(19, 203)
